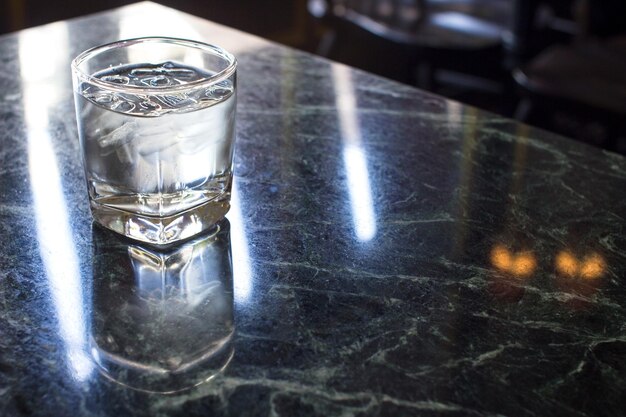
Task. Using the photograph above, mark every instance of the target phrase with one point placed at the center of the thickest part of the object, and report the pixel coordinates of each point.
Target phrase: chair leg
(612, 135)
(326, 43)
(524, 110)
(425, 76)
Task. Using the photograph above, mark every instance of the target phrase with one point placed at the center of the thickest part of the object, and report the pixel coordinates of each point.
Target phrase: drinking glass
(156, 123)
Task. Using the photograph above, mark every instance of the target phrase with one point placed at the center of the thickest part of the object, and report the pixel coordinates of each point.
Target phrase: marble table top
(388, 253)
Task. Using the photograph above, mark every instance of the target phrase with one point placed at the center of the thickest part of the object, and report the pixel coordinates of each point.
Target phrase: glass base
(146, 378)
(161, 230)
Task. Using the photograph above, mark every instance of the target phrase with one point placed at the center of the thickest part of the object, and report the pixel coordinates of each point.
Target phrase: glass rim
(215, 78)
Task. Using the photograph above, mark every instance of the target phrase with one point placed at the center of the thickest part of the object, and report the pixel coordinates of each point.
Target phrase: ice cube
(156, 81)
(155, 136)
(118, 136)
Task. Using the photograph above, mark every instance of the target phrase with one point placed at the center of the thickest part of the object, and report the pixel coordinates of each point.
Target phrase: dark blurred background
(556, 64)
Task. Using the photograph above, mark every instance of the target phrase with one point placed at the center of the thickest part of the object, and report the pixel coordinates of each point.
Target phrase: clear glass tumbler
(156, 122)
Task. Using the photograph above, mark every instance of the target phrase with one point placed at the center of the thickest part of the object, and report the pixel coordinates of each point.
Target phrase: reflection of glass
(163, 318)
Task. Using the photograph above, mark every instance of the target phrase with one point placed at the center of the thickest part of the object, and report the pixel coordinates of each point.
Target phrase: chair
(585, 81)
(579, 88)
(412, 39)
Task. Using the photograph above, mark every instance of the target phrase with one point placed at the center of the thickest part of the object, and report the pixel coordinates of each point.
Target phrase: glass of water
(156, 122)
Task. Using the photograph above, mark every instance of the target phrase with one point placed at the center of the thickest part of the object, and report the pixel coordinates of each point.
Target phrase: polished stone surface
(388, 253)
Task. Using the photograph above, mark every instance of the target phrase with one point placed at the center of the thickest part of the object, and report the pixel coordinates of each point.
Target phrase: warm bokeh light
(520, 264)
(501, 258)
(566, 264)
(524, 264)
(592, 266)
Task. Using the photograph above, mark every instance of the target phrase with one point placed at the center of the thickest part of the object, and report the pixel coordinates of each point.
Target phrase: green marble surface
(388, 253)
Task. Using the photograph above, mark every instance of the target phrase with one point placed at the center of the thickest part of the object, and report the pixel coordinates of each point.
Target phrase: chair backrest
(392, 19)
(416, 21)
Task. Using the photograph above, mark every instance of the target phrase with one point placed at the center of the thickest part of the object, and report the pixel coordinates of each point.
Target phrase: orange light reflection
(501, 258)
(592, 266)
(524, 264)
(566, 264)
(521, 264)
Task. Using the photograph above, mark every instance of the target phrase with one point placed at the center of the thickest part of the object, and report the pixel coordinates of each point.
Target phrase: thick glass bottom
(162, 230)
(141, 377)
